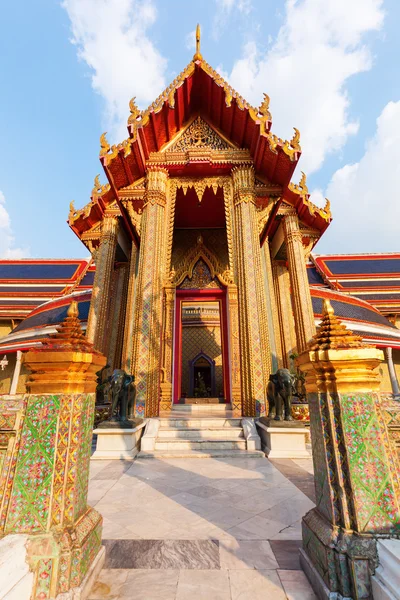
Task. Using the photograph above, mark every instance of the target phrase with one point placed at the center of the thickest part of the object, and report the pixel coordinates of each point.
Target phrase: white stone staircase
(200, 431)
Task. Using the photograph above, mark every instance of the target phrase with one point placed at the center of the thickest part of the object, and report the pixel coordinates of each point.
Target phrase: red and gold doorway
(201, 349)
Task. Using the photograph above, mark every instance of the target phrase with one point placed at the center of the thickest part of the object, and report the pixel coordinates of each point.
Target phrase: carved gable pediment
(199, 136)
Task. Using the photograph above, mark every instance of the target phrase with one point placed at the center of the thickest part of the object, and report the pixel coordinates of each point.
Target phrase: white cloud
(225, 9)
(111, 37)
(7, 249)
(190, 40)
(305, 71)
(364, 197)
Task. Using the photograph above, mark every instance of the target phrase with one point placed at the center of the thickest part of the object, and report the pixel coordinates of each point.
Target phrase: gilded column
(116, 318)
(127, 350)
(148, 305)
(272, 309)
(167, 345)
(287, 335)
(301, 297)
(254, 343)
(234, 346)
(101, 292)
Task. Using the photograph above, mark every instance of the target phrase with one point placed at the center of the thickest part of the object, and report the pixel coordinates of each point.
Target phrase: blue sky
(69, 69)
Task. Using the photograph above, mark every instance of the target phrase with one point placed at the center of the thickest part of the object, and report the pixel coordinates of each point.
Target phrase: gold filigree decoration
(302, 190)
(200, 185)
(332, 334)
(263, 216)
(135, 215)
(189, 261)
(199, 135)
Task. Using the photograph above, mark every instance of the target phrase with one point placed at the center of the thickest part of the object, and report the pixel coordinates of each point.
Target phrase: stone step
(218, 433)
(212, 409)
(193, 423)
(203, 453)
(199, 443)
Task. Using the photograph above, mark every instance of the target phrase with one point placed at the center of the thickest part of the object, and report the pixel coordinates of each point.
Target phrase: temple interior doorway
(202, 352)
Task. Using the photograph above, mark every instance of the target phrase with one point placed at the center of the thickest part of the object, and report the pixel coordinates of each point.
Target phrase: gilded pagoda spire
(332, 334)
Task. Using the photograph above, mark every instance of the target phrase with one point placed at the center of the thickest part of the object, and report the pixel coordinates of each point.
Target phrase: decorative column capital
(243, 184)
(109, 226)
(156, 186)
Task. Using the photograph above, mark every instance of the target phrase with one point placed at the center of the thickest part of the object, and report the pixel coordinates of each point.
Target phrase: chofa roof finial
(197, 55)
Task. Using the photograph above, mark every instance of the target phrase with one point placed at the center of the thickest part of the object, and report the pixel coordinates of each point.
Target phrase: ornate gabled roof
(199, 95)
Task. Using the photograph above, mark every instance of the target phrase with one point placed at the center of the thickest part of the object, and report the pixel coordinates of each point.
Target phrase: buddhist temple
(202, 279)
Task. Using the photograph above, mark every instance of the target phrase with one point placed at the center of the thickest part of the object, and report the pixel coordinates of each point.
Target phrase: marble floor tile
(150, 528)
(247, 554)
(256, 528)
(113, 470)
(290, 510)
(291, 532)
(144, 584)
(296, 585)
(203, 585)
(204, 491)
(108, 584)
(162, 554)
(306, 464)
(287, 553)
(255, 585)
(229, 516)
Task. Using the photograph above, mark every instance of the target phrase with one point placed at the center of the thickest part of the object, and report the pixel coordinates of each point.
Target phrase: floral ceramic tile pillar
(47, 485)
(355, 465)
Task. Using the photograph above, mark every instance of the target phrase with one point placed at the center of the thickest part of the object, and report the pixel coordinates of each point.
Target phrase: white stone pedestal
(386, 581)
(283, 442)
(117, 444)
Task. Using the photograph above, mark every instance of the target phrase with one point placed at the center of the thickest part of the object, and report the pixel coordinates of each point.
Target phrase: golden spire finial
(73, 310)
(198, 55)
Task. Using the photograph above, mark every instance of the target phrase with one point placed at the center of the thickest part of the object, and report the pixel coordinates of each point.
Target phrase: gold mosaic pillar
(127, 351)
(273, 307)
(301, 297)
(355, 465)
(101, 292)
(287, 333)
(116, 319)
(46, 480)
(234, 348)
(148, 305)
(167, 346)
(253, 326)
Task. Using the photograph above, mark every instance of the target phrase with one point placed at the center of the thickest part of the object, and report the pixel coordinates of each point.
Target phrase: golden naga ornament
(135, 112)
(104, 145)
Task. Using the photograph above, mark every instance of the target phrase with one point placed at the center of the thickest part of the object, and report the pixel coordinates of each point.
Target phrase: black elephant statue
(103, 385)
(280, 390)
(123, 393)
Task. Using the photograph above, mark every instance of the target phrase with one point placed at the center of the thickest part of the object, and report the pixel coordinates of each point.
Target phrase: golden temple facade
(200, 242)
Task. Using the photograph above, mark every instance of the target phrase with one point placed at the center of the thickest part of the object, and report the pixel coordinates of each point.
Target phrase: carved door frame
(200, 295)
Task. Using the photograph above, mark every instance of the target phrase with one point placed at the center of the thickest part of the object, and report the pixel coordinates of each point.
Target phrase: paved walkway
(212, 529)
